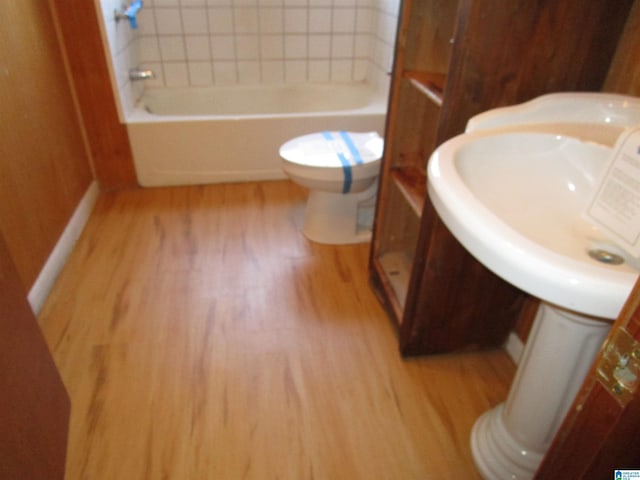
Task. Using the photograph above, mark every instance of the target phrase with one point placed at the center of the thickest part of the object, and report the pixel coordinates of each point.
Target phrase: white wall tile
(146, 22)
(168, 21)
(344, 20)
(295, 20)
(107, 7)
(342, 46)
(341, 70)
(194, 21)
(295, 71)
(320, 20)
(319, 46)
(249, 72)
(387, 57)
(386, 28)
(363, 46)
(271, 20)
(121, 65)
(133, 52)
(318, 70)
(360, 70)
(364, 20)
(129, 95)
(123, 35)
(378, 54)
(273, 71)
(383, 81)
(201, 42)
(149, 50)
(220, 20)
(200, 73)
(223, 47)
(272, 47)
(172, 48)
(295, 46)
(109, 25)
(197, 47)
(176, 74)
(245, 20)
(390, 6)
(247, 47)
(224, 73)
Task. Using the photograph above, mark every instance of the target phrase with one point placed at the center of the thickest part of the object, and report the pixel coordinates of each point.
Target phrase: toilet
(341, 170)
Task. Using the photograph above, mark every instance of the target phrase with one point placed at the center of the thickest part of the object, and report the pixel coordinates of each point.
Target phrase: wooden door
(601, 432)
(34, 405)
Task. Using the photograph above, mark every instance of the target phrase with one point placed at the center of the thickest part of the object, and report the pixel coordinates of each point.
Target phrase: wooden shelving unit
(412, 183)
(422, 60)
(429, 84)
(455, 59)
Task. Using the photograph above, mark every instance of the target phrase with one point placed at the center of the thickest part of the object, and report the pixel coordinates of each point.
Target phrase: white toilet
(340, 169)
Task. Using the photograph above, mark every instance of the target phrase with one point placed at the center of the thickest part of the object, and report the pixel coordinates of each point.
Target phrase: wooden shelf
(395, 270)
(427, 83)
(451, 64)
(412, 182)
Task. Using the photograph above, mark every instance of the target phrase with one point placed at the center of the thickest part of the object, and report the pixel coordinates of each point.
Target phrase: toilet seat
(335, 155)
(340, 169)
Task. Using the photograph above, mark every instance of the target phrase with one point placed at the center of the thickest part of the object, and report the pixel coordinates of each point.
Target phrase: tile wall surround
(122, 42)
(227, 42)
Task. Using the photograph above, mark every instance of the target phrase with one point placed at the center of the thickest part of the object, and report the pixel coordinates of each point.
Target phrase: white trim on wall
(43, 284)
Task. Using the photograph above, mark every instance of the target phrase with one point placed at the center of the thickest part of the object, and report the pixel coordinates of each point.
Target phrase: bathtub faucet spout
(137, 73)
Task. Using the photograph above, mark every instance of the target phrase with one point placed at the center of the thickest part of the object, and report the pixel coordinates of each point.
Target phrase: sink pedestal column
(509, 441)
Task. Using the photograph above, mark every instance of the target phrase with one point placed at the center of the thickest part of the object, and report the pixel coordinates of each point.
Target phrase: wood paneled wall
(44, 165)
(624, 74)
(79, 32)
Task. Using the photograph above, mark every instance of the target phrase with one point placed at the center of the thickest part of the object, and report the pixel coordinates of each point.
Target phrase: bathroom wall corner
(47, 277)
(120, 45)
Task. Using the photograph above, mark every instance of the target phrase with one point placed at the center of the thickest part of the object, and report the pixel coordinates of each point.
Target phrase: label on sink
(615, 205)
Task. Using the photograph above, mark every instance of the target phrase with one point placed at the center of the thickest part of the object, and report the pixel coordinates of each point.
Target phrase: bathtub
(232, 134)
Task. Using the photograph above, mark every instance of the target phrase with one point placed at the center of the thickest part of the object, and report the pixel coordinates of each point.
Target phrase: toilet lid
(333, 149)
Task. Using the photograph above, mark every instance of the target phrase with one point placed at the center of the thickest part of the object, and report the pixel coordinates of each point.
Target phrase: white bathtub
(231, 134)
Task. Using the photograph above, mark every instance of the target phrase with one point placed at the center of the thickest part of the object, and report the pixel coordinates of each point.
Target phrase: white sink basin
(514, 201)
(512, 190)
(592, 116)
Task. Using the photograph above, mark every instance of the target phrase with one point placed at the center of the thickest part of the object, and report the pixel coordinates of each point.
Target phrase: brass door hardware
(618, 368)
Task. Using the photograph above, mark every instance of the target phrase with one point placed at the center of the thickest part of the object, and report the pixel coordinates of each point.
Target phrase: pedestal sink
(514, 200)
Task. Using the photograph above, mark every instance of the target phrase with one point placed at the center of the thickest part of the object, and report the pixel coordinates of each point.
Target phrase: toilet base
(339, 219)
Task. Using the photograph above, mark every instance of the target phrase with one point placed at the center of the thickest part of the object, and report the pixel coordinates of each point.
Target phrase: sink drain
(606, 257)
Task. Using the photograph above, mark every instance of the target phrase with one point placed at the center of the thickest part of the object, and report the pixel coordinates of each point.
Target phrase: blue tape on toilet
(351, 146)
(346, 166)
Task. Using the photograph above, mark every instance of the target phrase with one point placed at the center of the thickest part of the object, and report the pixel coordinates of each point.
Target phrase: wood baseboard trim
(52, 267)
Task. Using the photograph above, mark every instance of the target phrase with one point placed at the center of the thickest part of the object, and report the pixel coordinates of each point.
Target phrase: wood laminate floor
(201, 336)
